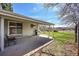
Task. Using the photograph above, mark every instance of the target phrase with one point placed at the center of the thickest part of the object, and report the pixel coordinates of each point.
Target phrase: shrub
(55, 30)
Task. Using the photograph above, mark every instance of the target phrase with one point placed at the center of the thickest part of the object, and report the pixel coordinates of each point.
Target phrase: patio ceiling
(18, 16)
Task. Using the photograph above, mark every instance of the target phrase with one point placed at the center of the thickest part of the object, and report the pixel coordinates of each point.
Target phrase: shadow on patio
(24, 45)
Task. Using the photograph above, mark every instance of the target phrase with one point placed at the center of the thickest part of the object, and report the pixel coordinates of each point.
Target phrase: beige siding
(27, 30)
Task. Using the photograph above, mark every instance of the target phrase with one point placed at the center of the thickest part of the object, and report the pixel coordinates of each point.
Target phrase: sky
(38, 12)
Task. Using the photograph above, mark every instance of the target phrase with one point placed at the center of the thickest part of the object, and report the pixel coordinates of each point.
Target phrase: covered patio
(24, 29)
(25, 45)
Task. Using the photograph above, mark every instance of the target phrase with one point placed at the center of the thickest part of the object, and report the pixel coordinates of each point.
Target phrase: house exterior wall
(27, 30)
(6, 26)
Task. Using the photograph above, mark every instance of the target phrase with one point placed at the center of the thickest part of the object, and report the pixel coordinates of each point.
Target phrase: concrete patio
(24, 45)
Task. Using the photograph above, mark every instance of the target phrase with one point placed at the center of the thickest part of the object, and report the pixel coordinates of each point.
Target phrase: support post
(37, 29)
(49, 31)
(0, 6)
(2, 34)
(53, 31)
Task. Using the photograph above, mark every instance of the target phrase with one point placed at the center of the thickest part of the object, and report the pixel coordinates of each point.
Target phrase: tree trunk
(78, 37)
(76, 34)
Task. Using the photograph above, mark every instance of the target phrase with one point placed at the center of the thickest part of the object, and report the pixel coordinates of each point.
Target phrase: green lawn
(60, 40)
(63, 36)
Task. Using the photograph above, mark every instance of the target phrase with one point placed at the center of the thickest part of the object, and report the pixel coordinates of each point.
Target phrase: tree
(69, 13)
(7, 6)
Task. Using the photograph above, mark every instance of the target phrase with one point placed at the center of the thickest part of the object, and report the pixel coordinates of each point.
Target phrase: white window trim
(9, 29)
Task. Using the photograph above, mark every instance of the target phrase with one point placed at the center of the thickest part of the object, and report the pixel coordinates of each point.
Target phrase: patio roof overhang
(15, 15)
(5, 14)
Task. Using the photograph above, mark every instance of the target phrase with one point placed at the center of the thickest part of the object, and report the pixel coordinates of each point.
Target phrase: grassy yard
(61, 39)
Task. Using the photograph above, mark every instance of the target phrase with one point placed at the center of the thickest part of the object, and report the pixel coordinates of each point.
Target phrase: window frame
(14, 26)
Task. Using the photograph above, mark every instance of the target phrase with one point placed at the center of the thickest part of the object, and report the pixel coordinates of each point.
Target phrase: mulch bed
(71, 49)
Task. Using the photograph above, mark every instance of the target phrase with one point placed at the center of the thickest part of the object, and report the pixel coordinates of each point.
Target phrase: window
(15, 28)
